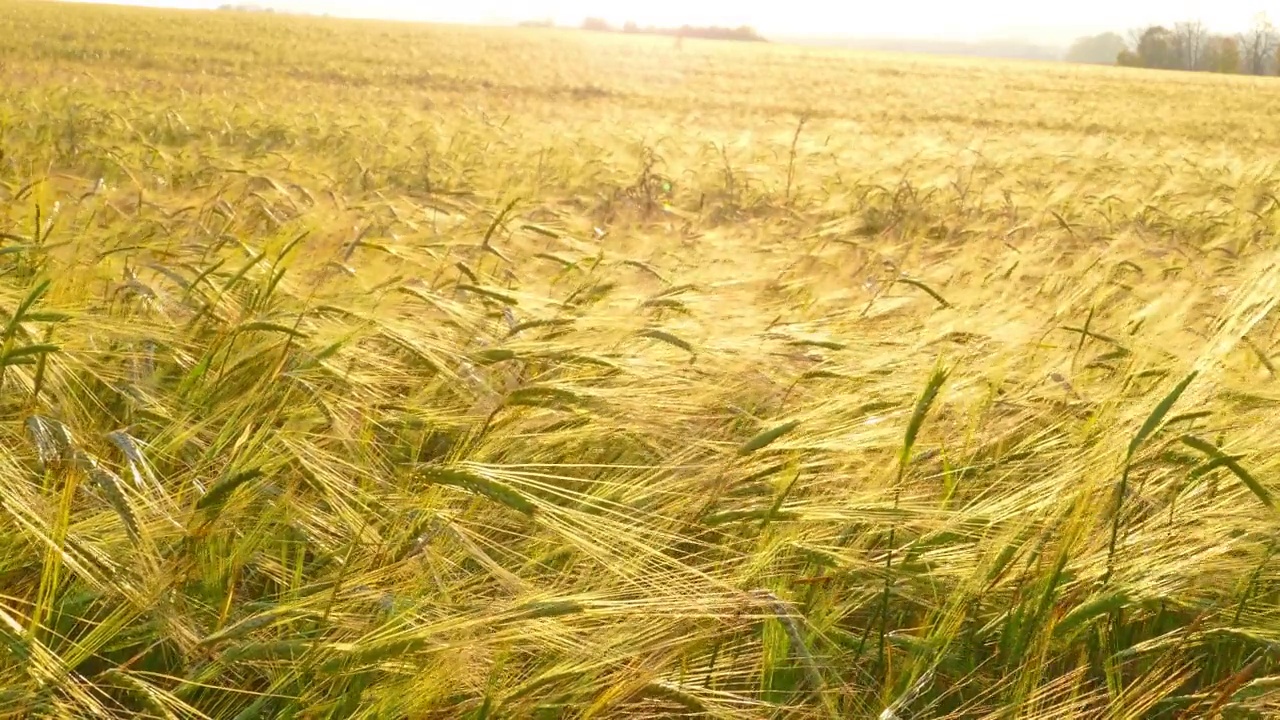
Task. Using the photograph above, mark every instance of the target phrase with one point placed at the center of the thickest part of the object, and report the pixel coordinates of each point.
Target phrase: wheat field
(366, 370)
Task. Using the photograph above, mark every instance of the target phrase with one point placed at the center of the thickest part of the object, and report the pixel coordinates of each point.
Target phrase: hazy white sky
(956, 19)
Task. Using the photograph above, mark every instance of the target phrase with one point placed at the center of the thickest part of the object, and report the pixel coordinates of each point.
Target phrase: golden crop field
(372, 370)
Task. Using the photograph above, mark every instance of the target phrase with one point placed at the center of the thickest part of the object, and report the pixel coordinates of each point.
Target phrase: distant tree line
(743, 33)
(1186, 46)
(1101, 49)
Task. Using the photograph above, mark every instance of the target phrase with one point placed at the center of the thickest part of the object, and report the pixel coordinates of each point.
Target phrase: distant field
(366, 370)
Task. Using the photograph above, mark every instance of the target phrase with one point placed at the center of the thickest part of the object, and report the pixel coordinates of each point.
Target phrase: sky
(940, 19)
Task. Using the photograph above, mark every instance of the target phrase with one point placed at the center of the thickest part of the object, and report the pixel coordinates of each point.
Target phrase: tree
(1222, 54)
(596, 24)
(1258, 46)
(1189, 41)
(1101, 49)
(1190, 46)
(1154, 48)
